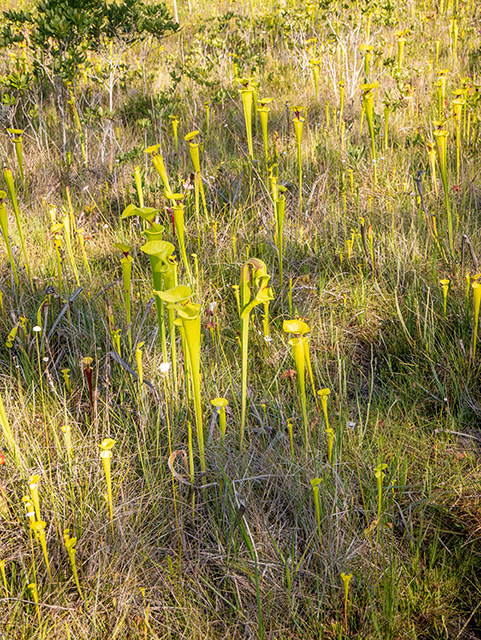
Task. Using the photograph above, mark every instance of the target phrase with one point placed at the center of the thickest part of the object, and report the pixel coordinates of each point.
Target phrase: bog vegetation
(239, 303)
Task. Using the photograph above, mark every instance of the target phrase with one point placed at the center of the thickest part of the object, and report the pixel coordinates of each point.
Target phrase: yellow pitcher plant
(441, 137)
(6, 237)
(126, 263)
(179, 298)
(298, 343)
(247, 94)
(298, 121)
(263, 111)
(106, 456)
(198, 186)
(368, 104)
(220, 404)
(253, 271)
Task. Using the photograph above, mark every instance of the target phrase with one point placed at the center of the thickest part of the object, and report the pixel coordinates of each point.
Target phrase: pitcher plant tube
(368, 105)
(178, 213)
(220, 404)
(70, 547)
(9, 181)
(247, 93)
(280, 207)
(6, 237)
(164, 274)
(298, 342)
(298, 121)
(106, 455)
(380, 475)
(174, 121)
(458, 105)
(140, 368)
(315, 483)
(342, 85)
(441, 138)
(445, 285)
(66, 429)
(299, 328)
(254, 270)
(38, 528)
(431, 148)
(8, 434)
(152, 233)
(324, 394)
(138, 186)
(179, 298)
(126, 263)
(263, 111)
(346, 579)
(159, 165)
(17, 141)
(198, 186)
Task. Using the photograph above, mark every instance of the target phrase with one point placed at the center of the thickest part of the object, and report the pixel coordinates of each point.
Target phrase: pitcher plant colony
(239, 308)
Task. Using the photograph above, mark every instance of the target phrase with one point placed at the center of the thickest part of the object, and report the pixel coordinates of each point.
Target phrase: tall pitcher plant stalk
(106, 455)
(13, 197)
(195, 157)
(17, 141)
(165, 266)
(178, 213)
(152, 233)
(441, 137)
(342, 85)
(138, 186)
(298, 121)
(280, 205)
(247, 95)
(6, 237)
(263, 111)
(159, 165)
(254, 270)
(401, 41)
(126, 263)
(458, 105)
(299, 344)
(431, 148)
(368, 104)
(8, 434)
(179, 298)
(174, 121)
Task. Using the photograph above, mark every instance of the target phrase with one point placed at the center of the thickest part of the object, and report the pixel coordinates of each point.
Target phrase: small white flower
(45, 359)
(106, 226)
(268, 338)
(165, 367)
(37, 329)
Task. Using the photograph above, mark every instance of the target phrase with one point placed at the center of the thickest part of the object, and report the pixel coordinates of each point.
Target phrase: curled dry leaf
(178, 476)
